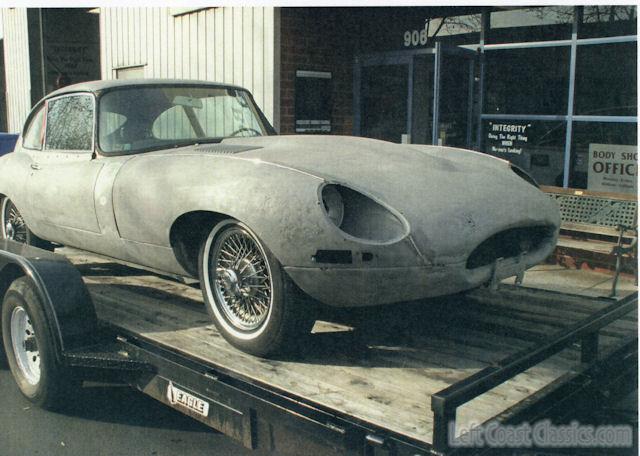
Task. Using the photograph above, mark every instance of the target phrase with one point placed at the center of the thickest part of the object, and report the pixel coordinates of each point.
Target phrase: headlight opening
(360, 216)
(333, 204)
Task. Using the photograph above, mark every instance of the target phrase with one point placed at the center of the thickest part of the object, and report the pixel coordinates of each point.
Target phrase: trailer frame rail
(445, 403)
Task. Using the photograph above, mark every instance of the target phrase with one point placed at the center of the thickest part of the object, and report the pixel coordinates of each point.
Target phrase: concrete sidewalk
(576, 281)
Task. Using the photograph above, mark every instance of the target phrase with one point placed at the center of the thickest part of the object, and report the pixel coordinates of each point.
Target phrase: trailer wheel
(253, 303)
(27, 341)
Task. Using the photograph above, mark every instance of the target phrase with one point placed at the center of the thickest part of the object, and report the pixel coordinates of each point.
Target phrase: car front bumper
(359, 287)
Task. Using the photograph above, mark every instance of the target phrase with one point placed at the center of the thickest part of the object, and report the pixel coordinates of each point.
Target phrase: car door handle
(35, 166)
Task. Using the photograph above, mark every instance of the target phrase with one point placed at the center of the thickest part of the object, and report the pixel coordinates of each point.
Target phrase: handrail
(445, 402)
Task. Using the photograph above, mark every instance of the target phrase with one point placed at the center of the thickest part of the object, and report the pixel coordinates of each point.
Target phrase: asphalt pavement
(104, 421)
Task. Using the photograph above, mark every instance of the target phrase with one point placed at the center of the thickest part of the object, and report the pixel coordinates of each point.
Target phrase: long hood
(448, 196)
(352, 158)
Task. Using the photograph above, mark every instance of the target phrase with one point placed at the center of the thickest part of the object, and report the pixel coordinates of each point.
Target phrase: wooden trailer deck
(380, 365)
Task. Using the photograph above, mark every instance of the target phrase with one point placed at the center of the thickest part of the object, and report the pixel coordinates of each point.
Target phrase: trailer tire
(28, 344)
(277, 324)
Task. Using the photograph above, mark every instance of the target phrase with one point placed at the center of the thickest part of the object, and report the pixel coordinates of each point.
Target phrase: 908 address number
(416, 37)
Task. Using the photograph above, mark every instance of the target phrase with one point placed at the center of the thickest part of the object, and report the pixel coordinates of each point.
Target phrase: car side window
(35, 133)
(70, 123)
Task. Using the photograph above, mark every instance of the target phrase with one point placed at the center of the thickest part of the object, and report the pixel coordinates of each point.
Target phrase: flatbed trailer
(384, 380)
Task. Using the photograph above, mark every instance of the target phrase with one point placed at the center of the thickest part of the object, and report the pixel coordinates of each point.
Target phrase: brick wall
(317, 39)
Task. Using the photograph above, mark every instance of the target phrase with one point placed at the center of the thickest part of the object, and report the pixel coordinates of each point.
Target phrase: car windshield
(137, 119)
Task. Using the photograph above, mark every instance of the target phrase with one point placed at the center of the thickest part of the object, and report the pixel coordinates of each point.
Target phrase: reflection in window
(33, 136)
(606, 80)
(531, 24)
(607, 20)
(527, 81)
(535, 146)
(70, 123)
(168, 115)
(457, 29)
(215, 116)
(612, 143)
(173, 123)
(110, 122)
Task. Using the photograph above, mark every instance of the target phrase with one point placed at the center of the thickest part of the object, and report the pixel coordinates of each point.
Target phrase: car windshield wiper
(195, 142)
(175, 145)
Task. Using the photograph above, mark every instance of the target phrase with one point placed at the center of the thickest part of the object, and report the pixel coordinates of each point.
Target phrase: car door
(63, 174)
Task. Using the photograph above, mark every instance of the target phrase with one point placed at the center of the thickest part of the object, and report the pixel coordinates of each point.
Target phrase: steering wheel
(252, 130)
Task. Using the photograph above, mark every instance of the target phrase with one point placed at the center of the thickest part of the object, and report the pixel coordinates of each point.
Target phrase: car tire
(28, 344)
(9, 214)
(252, 301)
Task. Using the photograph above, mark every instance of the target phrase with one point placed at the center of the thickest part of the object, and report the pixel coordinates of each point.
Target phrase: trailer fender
(65, 299)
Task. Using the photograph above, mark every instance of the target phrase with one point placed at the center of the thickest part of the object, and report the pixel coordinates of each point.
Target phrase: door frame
(383, 58)
(441, 50)
(406, 57)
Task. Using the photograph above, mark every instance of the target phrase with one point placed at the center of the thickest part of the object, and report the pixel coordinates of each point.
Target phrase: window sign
(613, 168)
(313, 102)
(507, 138)
(535, 146)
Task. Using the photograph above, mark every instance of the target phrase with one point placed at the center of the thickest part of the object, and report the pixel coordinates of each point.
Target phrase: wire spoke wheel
(13, 225)
(25, 345)
(252, 302)
(241, 279)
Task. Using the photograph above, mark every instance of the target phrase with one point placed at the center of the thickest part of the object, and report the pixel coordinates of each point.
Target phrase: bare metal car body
(424, 220)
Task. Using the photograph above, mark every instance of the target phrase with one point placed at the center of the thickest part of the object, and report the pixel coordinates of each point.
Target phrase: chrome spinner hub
(9, 231)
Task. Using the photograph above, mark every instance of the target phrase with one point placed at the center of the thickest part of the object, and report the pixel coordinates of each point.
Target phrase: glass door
(423, 97)
(383, 106)
(453, 96)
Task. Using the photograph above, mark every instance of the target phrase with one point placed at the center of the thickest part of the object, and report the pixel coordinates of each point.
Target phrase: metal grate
(596, 211)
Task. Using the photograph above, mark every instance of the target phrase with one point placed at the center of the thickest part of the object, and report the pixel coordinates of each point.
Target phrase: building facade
(552, 89)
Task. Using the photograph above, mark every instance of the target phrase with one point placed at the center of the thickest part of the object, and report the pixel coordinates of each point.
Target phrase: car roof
(96, 86)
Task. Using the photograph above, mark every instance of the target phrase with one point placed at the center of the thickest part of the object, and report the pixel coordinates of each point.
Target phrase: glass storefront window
(606, 80)
(527, 81)
(535, 146)
(607, 20)
(604, 157)
(456, 30)
(531, 24)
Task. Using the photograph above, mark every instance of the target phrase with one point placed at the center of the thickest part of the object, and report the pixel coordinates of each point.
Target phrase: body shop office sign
(613, 168)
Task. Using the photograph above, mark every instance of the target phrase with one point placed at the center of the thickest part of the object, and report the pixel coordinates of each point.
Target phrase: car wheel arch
(188, 232)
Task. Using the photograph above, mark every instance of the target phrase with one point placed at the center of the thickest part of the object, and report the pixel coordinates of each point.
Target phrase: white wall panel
(232, 45)
(16, 63)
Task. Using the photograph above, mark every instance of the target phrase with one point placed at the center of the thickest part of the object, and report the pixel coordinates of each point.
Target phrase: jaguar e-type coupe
(189, 178)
